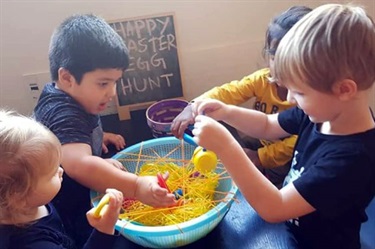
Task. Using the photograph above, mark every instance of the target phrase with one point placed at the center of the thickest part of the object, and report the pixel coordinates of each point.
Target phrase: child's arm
(234, 93)
(271, 204)
(277, 153)
(253, 123)
(238, 91)
(96, 173)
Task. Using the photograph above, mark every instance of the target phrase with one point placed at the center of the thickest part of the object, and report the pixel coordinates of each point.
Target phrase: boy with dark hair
(87, 57)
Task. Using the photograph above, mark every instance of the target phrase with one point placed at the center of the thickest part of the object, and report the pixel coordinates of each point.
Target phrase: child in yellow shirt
(271, 157)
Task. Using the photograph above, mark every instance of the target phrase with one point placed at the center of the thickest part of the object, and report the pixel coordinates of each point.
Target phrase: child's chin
(95, 111)
(315, 120)
(101, 108)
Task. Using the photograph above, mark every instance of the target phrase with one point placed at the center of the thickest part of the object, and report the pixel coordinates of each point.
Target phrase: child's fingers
(202, 107)
(161, 196)
(115, 163)
(104, 148)
(165, 175)
(112, 200)
(116, 195)
(103, 202)
(118, 141)
(105, 215)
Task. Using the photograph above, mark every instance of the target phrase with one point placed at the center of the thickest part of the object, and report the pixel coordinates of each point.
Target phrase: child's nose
(112, 91)
(61, 171)
(290, 97)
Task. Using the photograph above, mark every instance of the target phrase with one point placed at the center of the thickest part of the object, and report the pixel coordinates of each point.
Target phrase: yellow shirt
(257, 85)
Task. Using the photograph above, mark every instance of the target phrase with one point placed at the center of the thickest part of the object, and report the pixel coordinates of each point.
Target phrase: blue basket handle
(189, 139)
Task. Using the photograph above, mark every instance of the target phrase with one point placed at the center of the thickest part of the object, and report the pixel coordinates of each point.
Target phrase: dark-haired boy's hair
(280, 25)
(84, 43)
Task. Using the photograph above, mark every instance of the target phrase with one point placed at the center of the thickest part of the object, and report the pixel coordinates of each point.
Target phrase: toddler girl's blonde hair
(331, 43)
(28, 150)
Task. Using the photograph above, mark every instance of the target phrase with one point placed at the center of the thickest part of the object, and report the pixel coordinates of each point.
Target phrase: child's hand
(110, 138)
(182, 121)
(149, 192)
(105, 223)
(115, 163)
(211, 135)
(210, 107)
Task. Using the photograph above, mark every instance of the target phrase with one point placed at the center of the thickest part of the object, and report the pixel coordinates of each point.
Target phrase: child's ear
(344, 89)
(66, 79)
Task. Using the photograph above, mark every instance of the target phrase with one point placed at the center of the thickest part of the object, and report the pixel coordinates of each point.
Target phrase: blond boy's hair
(332, 43)
(27, 150)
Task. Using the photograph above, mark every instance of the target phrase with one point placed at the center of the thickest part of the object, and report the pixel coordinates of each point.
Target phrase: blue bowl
(184, 233)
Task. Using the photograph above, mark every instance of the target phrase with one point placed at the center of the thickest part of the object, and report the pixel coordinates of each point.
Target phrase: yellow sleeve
(239, 91)
(277, 153)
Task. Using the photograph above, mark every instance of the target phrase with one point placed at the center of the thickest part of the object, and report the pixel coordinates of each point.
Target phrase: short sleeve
(292, 120)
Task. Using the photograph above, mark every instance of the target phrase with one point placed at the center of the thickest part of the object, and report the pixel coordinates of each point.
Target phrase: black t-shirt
(336, 175)
(67, 119)
(48, 233)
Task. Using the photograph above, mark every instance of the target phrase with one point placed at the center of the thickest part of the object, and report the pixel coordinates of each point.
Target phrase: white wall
(218, 40)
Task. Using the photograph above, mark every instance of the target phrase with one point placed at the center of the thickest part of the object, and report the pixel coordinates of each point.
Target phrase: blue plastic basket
(173, 235)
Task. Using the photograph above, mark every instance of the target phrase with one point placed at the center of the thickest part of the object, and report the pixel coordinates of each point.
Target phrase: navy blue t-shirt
(336, 175)
(67, 119)
(48, 233)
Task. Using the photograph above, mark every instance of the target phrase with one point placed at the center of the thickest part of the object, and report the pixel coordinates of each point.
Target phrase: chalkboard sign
(154, 70)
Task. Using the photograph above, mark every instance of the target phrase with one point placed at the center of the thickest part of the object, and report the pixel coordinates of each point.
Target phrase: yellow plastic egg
(204, 160)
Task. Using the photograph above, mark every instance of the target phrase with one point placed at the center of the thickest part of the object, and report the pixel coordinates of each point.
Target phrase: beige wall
(218, 40)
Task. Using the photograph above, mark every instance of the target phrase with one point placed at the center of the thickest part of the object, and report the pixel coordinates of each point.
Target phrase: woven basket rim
(158, 103)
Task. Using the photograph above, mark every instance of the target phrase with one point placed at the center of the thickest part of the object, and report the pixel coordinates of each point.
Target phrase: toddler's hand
(211, 135)
(105, 223)
(150, 193)
(110, 138)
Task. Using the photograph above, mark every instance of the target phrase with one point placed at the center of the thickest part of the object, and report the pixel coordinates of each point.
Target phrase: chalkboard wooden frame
(154, 71)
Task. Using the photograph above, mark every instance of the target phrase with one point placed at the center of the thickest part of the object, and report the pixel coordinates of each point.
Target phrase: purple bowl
(161, 114)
